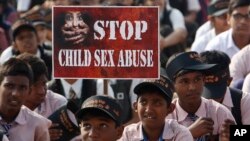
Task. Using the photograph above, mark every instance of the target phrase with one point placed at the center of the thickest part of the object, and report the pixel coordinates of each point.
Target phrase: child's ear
(135, 106)
(119, 131)
(171, 108)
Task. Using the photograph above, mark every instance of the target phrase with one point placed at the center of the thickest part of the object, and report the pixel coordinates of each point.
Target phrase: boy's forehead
(18, 79)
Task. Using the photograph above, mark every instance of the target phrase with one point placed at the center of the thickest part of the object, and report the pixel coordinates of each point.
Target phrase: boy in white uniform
(19, 122)
(153, 105)
(200, 115)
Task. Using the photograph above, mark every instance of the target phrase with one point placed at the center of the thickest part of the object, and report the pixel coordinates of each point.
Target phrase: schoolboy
(19, 122)
(100, 119)
(153, 105)
(202, 116)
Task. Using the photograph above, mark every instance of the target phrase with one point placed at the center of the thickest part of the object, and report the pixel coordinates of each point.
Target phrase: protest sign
(105, 42)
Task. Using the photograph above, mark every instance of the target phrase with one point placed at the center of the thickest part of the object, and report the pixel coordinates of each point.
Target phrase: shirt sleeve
(239, 66)
(245, 111)
(42, 131)
(184, 135)
(177, 19)
(246, 84)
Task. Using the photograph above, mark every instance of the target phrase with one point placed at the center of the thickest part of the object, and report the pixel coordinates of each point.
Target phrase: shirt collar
(227, 101)
(166, 134)
(182, 114)
(21, 118)
(77, 87)
(230, 43)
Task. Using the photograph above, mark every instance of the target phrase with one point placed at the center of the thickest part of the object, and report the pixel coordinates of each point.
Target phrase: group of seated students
(193, 99)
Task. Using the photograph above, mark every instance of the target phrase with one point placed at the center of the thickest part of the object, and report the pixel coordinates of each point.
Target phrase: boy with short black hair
(100, 119)
(153, 105)
(19, 122)
(200, 115)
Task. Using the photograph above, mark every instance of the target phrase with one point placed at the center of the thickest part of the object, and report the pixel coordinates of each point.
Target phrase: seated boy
(153, 105)
(100, 119)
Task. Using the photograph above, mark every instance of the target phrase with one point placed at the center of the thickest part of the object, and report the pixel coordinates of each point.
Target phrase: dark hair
(153, 90)
(237, 3)
(38, 66)
(216, 57)
(15, 67)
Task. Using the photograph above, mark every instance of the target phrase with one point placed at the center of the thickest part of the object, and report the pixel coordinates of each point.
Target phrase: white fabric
(245, 105)
(203, 29)
(77, 87)
(200, 44)
(208, 108)
(7, 54)
(246, 84)
(193, 5)
(29, 126)
(51, 103)
(177, 19)
(240, 64)
(172, 131)
(224, 42)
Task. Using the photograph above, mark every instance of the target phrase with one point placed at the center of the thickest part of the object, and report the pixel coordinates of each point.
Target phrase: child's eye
(103, 126)
(9, 86)
(158, 103)
(86, 126)
(143, 102)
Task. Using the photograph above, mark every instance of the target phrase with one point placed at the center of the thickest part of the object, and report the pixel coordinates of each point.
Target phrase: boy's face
(26, 41)
(13, 91)
(38, 91)
(189, 87)
(99, 129)
(240, 21)
(152, 109)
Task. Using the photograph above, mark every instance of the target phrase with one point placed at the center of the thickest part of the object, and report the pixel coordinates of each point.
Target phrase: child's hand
(225, 130)
(201, 126)
(54, 132)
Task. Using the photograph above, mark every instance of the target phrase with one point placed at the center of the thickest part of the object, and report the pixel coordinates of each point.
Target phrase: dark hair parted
(15, 67)
(37, 65)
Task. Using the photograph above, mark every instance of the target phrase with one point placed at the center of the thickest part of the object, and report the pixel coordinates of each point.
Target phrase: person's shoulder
(52, 95)
(173, 129)
(34, 118)
(172, 124)
(6, 54)
(133, 127)
(218, 42)
(213, 105)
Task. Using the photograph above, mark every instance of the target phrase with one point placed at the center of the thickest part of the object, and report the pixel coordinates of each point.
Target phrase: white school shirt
(29, 126)
(208, 108)
(51, 103)
(240, 65)
(224, 42)
(200, 44)
(172, 132)
(245, 105)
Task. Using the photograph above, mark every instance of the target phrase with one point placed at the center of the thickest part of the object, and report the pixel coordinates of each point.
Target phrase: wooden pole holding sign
(105, 86)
